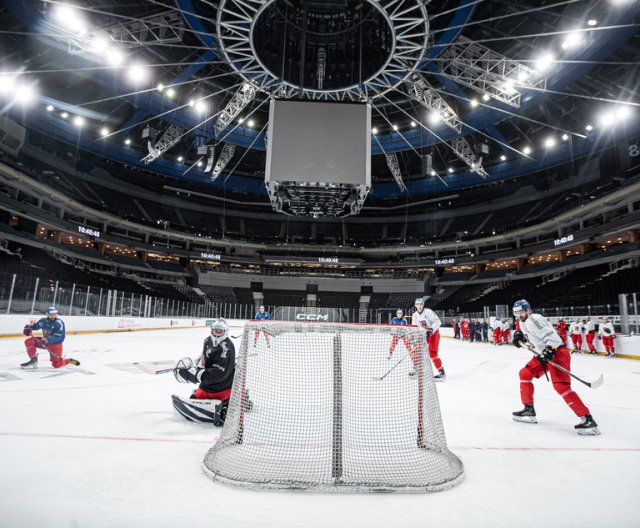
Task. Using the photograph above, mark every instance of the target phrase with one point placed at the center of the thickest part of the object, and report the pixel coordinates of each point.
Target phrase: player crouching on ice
(214, 375)
(537, 334)
(53, 336)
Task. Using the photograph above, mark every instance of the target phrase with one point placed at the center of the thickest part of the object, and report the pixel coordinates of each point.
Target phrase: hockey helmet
(219, 331)
(521, 305)
(419, 300)
(399, 312)
(52, 310)
(261, 307)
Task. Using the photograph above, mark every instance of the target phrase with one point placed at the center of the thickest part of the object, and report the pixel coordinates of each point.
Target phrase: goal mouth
(333, 407)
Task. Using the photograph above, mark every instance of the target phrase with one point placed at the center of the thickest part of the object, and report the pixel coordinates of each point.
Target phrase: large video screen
(319, 142)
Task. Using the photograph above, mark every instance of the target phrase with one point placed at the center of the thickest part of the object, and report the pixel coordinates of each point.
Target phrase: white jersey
(506, 326)
(497, 325)
(589, 327)
(427, 319)
(540, 333)
(607, 330)
(575, 328)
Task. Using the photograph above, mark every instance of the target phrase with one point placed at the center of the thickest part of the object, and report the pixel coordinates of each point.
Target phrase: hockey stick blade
(597, 383)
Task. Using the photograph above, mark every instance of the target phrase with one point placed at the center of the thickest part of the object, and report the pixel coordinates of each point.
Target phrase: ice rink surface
(99, 446)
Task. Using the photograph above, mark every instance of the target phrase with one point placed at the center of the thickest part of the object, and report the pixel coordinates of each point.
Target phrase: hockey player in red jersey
(575, 330)
(589, 334)
(538, 333)
(561, 329)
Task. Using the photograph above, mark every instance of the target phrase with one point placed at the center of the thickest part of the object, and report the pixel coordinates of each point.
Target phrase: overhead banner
(321, 315)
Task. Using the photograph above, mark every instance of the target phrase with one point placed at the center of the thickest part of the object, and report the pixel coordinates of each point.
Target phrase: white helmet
(419, 301)
(219, 331)
(399, 312)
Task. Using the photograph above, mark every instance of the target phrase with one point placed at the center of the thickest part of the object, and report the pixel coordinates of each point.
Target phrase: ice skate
(74, 362)
(526, 415)
(31, 364)
(440, 376)
(587, 426)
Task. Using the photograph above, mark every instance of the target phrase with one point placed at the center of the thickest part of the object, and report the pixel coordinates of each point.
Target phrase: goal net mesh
(322, 406)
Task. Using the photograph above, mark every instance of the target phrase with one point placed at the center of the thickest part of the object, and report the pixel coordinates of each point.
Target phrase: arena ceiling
(463, 92)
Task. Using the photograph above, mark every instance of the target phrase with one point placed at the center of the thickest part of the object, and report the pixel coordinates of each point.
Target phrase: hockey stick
(593, 384)
(389, 371)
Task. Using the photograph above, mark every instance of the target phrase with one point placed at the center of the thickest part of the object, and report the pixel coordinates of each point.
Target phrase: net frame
(317, 428)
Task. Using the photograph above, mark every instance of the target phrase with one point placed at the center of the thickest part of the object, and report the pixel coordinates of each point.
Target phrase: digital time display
(328, 260)
(563, 240)
(211, 256)
(445, 262)
(89, 231)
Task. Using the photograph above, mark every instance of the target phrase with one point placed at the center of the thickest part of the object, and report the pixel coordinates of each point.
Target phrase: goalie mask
(219, 331)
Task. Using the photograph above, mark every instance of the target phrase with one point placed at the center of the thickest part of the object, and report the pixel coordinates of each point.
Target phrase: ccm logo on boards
(312, 317)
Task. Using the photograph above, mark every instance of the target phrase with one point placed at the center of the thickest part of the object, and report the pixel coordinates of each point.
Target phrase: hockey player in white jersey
(536, 331)
(430, 322)
(608, 334)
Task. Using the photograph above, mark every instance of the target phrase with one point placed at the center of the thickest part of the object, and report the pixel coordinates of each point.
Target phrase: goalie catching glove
(187, 372)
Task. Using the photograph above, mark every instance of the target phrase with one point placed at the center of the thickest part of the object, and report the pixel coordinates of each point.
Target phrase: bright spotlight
(545, 62)
(413, 124)
(503, 158)
(115, 57)
(434, 117)
(522, 76)
(104, 131)
(374, 131)
(7, 83)
(433, 173)
(526, 151)
(486, 97)
(25, 94)
(64, 115)
(508, 88)
(550, 142)
(607, 119)
(588, 128)
(127, 142)
(199, 164)
(49, 108)
(200, 107)
(572, 40)
(474, 103)
(623, 112)
(69, 18)
(180, 158)
(592, 22)
(565, 137)
(160, 87)
(78, 121)
(250, 123)
(171, 93)
(395, 127)
(137, 74)
(450, 170)
(99, 44)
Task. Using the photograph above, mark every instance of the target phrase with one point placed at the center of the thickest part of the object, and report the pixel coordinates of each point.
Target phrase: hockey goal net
(321, 406)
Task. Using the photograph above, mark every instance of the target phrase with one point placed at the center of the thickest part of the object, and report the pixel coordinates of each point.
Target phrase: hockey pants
(607, 342)
(394, 342)
(590, 338)
(433, 343)
(55, 351)
(577, 341)
(257, 333)
(200, 394)
(561, 381)
(497, 334)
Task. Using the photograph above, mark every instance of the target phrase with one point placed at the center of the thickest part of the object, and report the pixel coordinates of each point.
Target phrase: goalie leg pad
(203, 411)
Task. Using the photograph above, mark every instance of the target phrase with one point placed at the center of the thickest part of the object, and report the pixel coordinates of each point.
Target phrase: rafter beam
(394, 167)
(486, 71)
(240, 100)
(162, 28)
(422, 92)
(225, 157)
(463, 150)
(169, 139)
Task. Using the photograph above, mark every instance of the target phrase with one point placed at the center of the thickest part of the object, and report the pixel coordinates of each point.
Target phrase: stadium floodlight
(78, 121)
(395, 127)
(49, 108)
(99, 44)
(127, 142)
(526, 151)
(565, 137)
(25, 94)
(104, 131)
(413, 124)
(545, 62)
(180, 158)
(199, 164)
(503, 158)
(200, 106)
(67, 16)
(171, 93)
(474, 103)
(550, 142)
(623, 112)
(450, 170)
(7, 83)
(607, 118)
(115, 57)
(64, 115)
(486, 97)
(251, 123)
(588, 128)
(592, 22)
(160, 87)
(572, 40)
(434, 117)
(374, 131)
(137, 74)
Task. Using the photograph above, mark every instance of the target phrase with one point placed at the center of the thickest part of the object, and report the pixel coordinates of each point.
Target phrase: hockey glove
(429, 332)
(27, 330)
(190, 375)
(519, 339)
(547, 355)
(41, 343)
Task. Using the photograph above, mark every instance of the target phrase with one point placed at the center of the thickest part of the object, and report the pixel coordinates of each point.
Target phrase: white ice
(99, 446)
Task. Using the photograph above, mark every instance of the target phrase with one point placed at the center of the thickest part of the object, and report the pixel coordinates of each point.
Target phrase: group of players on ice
(214, 370)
